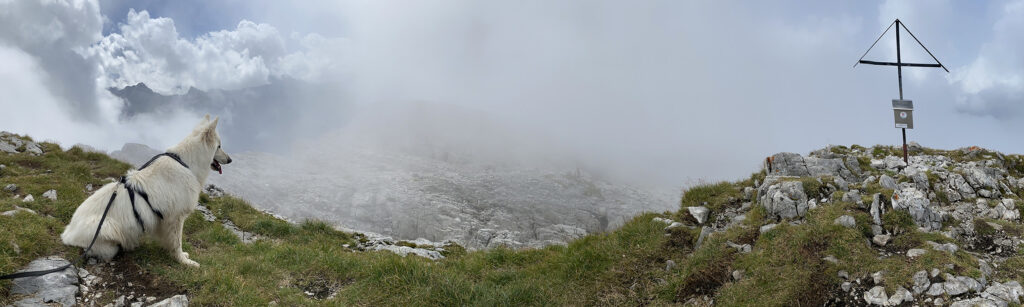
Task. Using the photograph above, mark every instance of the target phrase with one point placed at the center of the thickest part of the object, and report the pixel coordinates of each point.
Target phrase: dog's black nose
(229, 161)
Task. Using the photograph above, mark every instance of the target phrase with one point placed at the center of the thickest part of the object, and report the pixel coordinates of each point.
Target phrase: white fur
(173, 190)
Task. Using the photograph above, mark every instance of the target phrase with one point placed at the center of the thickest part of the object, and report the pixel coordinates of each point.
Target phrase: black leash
(80, 258)
(131, 193)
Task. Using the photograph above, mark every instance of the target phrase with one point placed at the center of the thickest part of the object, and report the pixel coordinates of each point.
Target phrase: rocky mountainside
(409, 196)
(962, 203)
(842, 226)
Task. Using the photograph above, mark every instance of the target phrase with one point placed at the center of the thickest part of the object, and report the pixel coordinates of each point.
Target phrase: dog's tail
(80, 230)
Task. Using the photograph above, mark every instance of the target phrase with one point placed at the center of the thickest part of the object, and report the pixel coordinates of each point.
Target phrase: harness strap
(80, 258)
(166, 154)
(131, 197)
(146, 198)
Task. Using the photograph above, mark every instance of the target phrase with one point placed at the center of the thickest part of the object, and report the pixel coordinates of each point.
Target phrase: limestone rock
(737, 275)
(955, 287)
(792, 164)
(704, 232)
(28, 199)
(877, 277)
(846, 221)
(900, 296)
(16, 210)
(59, 288)
(876, 296)
(881, 240)
(51, 194)
(945, 247)
(887, 182)
(767, 228)
(916, 203)
(7, 147)
(936, 289)
(876, 209)
(699, 213)
(785, 200)
(174, 301)
(921, 282)
(916, 252)
(33, 148)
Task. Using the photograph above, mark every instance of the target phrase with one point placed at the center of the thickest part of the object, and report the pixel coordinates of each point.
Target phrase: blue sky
(665, 91)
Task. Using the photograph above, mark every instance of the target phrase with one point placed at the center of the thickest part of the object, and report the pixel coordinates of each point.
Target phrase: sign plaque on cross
(903, 111)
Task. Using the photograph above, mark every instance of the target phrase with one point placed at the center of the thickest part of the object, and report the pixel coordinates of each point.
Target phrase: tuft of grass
(714, 196)
(897, 221)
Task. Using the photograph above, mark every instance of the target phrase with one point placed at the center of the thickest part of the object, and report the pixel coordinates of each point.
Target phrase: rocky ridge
(970, 196)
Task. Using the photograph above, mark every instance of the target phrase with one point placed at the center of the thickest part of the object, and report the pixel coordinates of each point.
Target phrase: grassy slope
(622, 267)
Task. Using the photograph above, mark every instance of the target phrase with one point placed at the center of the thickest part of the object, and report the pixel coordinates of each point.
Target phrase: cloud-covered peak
(151, 51)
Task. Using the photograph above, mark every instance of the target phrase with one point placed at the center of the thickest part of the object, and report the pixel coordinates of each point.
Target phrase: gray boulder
(57, 288)
(1009, 292)
(846, 221)
(916, 203)
(876, 209)
(51, 194)
(900, 296)
(876, 296)
(887, 182)
(936, 289)
(7, 147)
(785, 200)
(955, 287)
(792, 164)
(919, 177)
(945, 247)
(881, 240)
(916, 252)
(174, 301)
(33, 148)
(921, 282)
(699, 213)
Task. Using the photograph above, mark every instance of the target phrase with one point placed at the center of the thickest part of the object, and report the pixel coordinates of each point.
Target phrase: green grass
(626, 266)
(714, 196)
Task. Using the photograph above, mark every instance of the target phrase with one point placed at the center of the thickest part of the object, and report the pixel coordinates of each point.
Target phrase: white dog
(171, 182)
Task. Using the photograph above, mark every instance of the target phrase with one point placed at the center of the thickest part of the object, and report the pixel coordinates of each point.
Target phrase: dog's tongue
(220, 170)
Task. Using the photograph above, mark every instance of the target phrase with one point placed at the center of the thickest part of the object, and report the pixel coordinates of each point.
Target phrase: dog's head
(207, 131)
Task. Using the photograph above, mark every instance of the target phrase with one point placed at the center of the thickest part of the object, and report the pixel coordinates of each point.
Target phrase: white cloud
(992, 84)
(150, 50)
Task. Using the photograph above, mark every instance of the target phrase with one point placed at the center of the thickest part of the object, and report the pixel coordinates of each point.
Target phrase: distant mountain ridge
(255, 118)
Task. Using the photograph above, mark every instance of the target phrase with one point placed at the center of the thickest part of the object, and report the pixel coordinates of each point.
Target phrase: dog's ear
(211, 130)
(206, 118)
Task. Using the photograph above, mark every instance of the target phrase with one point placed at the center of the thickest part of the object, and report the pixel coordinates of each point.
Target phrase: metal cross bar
(922, 45)
(899, 64)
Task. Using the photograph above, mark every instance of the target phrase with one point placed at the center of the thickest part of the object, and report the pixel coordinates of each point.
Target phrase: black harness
(132, 190)
(131, 195)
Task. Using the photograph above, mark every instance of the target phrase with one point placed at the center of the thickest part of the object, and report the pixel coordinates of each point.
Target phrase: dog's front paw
(183, 259)
(191, 263)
